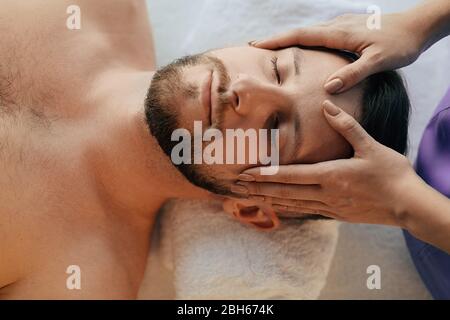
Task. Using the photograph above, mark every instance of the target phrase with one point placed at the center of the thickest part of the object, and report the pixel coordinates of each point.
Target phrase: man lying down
(246, 88)
(86, 130)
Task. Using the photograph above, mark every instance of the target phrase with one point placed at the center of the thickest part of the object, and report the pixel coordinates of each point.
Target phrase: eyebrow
(297, 57)
(292, 156)
(298, 140)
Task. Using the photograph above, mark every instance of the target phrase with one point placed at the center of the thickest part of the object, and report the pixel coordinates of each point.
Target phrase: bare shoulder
(46, 63)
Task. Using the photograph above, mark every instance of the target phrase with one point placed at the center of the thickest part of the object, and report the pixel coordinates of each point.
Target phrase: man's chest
(94, 267)
(61, 244)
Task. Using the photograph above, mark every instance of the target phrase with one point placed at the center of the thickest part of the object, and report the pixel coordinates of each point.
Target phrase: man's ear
(249, 212)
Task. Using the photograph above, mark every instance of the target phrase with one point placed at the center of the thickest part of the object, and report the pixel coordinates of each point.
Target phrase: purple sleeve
(433, 159)
(433, 165)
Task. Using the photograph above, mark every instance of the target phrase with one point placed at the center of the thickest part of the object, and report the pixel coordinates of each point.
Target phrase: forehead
(318, 141)
(248, 55)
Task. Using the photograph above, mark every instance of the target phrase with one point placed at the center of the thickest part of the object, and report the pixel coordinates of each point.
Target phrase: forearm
(431, 19)
(426, 213)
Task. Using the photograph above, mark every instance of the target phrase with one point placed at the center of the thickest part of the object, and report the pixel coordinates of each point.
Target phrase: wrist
(405, 206)
(421, 209)
(429, 22)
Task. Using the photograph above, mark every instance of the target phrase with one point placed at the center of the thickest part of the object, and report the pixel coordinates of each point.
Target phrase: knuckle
(290, 177)
(284, 192)
(376, 57)
(343, 185)
(353, 73)
(333, 178)
(342, 33)
(370, 145)
(261, 178)
(299, 203)
(255, 188)
(348, 123)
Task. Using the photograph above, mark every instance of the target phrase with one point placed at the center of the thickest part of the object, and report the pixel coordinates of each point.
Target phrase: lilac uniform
(433, 165)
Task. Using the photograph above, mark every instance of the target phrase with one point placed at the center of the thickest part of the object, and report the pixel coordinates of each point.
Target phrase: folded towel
(212, 256)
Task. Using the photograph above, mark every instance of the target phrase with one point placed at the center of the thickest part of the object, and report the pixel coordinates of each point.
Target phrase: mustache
(223, 93)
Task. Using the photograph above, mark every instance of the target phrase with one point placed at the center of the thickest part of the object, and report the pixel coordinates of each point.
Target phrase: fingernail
(250, 43)
(334, 85)
(330, 108)
(246, 177)
(239, 189)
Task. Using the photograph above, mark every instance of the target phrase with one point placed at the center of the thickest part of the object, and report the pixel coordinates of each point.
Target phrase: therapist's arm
(377, 185)
(425, 213)
(399, 42)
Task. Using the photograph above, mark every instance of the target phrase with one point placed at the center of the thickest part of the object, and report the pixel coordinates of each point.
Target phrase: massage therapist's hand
(401, 38)
(367, 188)
(395, 45)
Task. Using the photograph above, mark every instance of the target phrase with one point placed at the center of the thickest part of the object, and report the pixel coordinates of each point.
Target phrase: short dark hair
(385, 110)
(385, 106)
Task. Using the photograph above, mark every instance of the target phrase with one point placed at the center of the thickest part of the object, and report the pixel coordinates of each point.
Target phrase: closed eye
(276, 72)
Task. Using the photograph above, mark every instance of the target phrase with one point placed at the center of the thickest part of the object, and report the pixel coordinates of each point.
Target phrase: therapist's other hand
(397, 44)
(366, 188)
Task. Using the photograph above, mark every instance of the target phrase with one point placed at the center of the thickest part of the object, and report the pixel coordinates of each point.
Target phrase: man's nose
(251, 94)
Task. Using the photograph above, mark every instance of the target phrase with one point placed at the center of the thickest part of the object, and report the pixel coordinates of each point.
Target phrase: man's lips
(206, 96)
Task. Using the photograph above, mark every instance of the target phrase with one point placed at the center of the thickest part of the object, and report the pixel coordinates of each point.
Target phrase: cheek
(325, 144)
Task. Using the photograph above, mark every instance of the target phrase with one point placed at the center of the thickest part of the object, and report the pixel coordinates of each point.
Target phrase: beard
(162, 117)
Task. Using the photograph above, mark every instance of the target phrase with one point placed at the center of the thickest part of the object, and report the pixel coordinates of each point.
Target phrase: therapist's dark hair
(385, 110)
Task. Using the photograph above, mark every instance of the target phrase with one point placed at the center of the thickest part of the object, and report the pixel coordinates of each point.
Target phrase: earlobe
(258, 215)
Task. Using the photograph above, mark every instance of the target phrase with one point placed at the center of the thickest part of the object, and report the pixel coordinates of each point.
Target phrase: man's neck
(133, 173)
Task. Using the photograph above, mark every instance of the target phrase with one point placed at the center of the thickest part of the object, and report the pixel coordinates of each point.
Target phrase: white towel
(202, 25)
(212, 256)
